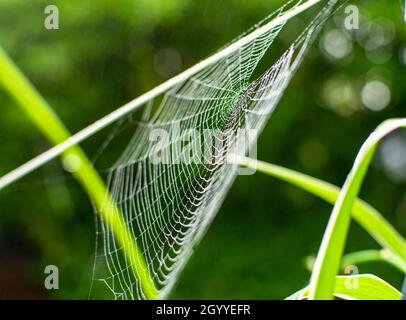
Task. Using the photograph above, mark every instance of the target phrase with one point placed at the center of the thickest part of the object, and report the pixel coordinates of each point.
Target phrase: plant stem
(365, 256)
(366, 215)
(42, 115)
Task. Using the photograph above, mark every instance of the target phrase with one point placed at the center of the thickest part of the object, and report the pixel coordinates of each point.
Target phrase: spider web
(168, 194)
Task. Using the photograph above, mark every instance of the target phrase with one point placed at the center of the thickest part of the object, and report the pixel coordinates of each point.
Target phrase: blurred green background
(108, 52)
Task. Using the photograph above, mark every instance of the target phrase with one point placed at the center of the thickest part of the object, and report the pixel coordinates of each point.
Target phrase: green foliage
(371, 287)
(329, 257)
(105, 53)
(48, 122)
(365, 256)
(368, 217)
(358, 287)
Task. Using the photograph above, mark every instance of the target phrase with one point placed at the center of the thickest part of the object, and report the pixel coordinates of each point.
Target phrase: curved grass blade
(365, 256)
(329, 257)
(367, 216)
(42, 115)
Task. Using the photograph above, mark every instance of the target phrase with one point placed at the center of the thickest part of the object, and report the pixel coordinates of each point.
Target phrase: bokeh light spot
(376, 95)
(339, 95)
(336, 44)
(393, 155)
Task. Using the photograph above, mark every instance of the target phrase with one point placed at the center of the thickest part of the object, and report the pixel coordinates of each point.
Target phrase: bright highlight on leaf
(358, 287)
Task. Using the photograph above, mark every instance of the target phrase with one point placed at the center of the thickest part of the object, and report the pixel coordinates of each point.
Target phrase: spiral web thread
(168, 205)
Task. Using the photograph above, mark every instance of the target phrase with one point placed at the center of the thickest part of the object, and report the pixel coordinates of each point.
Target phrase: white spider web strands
(168, 206)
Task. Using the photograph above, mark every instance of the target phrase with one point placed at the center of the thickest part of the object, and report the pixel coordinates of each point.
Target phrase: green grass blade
(367, 216)
(364, 287)
(364, 256)
(329, 257)
(358, 287)
(42, 115)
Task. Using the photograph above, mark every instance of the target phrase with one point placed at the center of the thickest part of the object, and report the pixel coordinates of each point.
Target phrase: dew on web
(168, 205)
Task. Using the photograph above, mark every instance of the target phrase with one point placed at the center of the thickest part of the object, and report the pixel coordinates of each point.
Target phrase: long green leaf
(367, 216)
(329, 257)
(42, 115)
(364, 256)
(357, 287)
